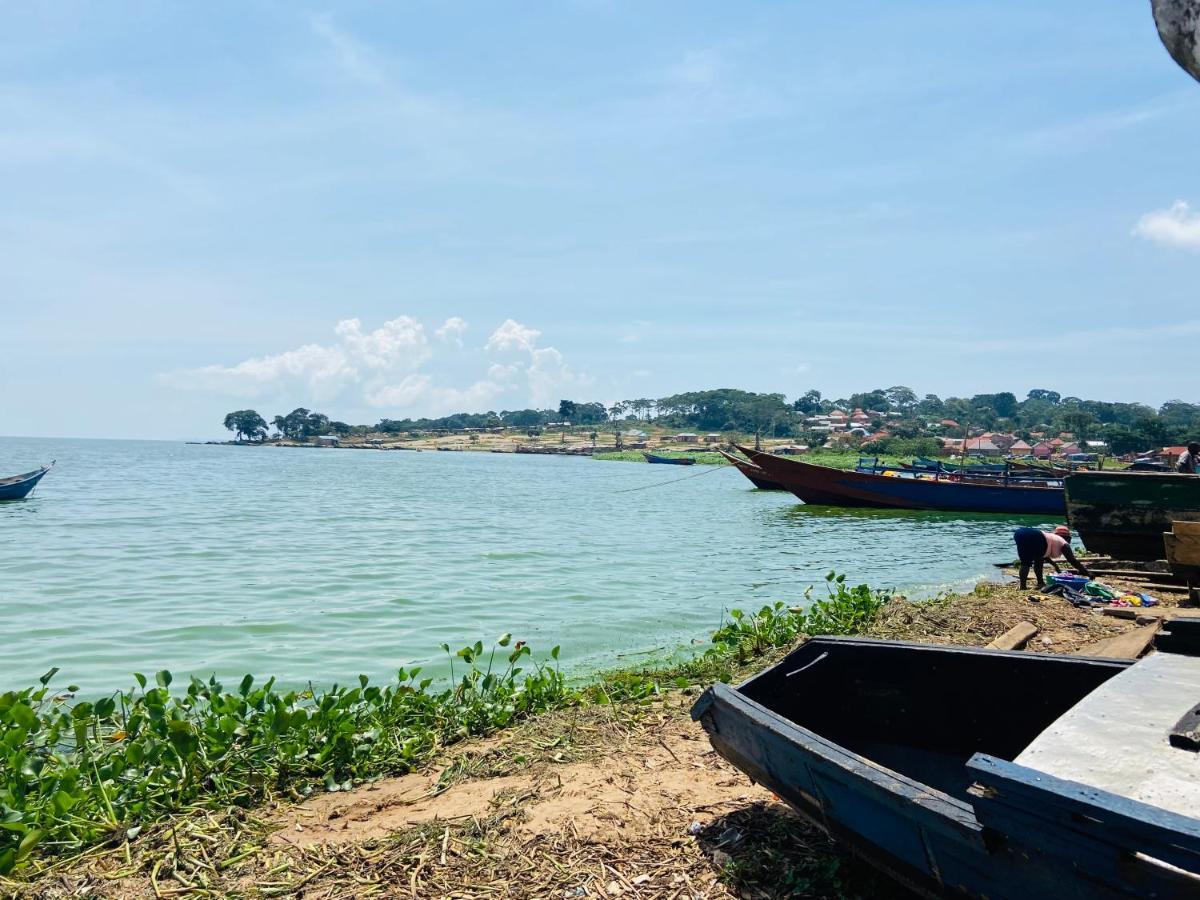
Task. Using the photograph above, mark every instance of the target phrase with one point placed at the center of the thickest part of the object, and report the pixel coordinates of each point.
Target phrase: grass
(76, 775)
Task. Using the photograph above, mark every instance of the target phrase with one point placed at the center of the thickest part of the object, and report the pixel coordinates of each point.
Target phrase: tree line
(906, 416)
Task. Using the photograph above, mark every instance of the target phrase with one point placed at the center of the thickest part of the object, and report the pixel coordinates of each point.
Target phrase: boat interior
(923, 711)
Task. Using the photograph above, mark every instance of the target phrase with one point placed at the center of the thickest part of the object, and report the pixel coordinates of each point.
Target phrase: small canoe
(669, 460)
(969, 772)
(17, 487)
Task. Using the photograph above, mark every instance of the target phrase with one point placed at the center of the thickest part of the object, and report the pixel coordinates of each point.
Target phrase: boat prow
(756, 475)
(18, 487)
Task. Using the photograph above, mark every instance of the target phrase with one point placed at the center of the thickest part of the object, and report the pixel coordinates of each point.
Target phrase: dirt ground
(591, 802)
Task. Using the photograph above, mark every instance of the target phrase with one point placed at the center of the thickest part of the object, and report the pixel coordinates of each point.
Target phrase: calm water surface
(321, 564)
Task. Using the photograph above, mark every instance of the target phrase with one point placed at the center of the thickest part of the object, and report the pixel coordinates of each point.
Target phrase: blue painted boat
(826, 486)
(17, 487)
(669, 460)
(950, 768)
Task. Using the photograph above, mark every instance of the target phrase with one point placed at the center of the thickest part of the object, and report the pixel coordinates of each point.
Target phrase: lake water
(321, 564)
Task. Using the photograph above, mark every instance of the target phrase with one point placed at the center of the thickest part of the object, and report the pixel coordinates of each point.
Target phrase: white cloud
(453, 329)
(512, 335)
(352, 56)
(385, 369)
(1176, 227)
(322, 371)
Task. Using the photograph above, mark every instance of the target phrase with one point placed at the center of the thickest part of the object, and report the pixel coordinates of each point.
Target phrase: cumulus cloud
(385, 368)
(453, 330)
(512, 335)
(322, 371)
(1175, 227)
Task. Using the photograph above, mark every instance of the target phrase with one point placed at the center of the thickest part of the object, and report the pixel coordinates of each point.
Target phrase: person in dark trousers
(1189, 461)
(1035, 547)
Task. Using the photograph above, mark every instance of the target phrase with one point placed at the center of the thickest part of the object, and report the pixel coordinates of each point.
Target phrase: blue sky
(382, 210)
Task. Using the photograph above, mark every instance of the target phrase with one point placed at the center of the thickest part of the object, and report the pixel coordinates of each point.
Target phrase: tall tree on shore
(246, 423)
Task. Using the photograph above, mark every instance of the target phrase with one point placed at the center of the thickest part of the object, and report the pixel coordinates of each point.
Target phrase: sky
(383, 210)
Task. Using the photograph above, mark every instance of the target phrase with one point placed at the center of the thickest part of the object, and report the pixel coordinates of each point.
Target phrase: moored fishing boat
(826, 486)
(1124, 514)
(757, 476)
(968, 772)
(17, 487)
(669, 460)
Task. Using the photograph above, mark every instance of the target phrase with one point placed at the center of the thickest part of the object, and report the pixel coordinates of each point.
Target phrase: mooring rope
(673, 480)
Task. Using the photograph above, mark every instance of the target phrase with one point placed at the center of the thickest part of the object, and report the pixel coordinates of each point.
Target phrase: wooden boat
(825, 486)
(1124, 514)
(757, 476)
(669, 460)
(968, 772)
(17, 487)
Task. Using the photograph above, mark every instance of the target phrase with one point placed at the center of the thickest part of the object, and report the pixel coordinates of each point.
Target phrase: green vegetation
(74, 773)
(246, 423)
(77, 773)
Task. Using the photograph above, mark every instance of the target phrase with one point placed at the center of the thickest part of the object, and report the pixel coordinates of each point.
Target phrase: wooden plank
(1022, 801)
(1015, 638)
(1181, 552)
(1191, 529)
(1129, 645)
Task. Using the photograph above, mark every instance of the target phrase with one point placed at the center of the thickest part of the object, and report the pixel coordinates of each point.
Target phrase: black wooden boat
(1124, 514)
(669, 460)
(18, 487)
(932, 763)
(757, 476)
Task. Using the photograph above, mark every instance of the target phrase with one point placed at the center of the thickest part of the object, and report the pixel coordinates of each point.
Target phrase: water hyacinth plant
(846, 610)
(77, 773)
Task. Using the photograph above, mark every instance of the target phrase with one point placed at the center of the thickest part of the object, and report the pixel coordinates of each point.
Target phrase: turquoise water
(323, 564)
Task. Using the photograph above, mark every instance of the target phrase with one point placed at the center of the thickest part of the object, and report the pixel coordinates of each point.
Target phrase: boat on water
(969, 772)
(17, 487)
(669, 460)
(1124, 514)
(757, 476)
(826, 486)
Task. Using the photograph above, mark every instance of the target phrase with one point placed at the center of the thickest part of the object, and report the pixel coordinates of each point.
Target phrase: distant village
(895, 421)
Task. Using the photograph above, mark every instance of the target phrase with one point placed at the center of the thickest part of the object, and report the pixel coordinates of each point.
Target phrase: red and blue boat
(953, 492)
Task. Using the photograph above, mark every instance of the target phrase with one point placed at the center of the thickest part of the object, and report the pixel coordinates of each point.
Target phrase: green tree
(246, 423)
(808, 403)
(568, 410)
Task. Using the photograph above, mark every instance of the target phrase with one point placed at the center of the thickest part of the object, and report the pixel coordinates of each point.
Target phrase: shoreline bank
(588, 775)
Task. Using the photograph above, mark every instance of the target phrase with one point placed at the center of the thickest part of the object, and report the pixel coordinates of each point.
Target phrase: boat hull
(882, 743)
(825, 486)
(1124, 514)
(19, 486)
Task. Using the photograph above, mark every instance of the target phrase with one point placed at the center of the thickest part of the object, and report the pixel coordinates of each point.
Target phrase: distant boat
(17, 487)
(1124, 514)
(757, 476)
(968, 772)
(669, 460)
(825, 486)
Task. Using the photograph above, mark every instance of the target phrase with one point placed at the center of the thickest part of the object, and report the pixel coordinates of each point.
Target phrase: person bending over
(1035, 547)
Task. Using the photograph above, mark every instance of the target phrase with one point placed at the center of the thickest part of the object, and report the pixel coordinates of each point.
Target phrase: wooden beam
(1015, 638)
(1129, 645)
(1150, 612)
